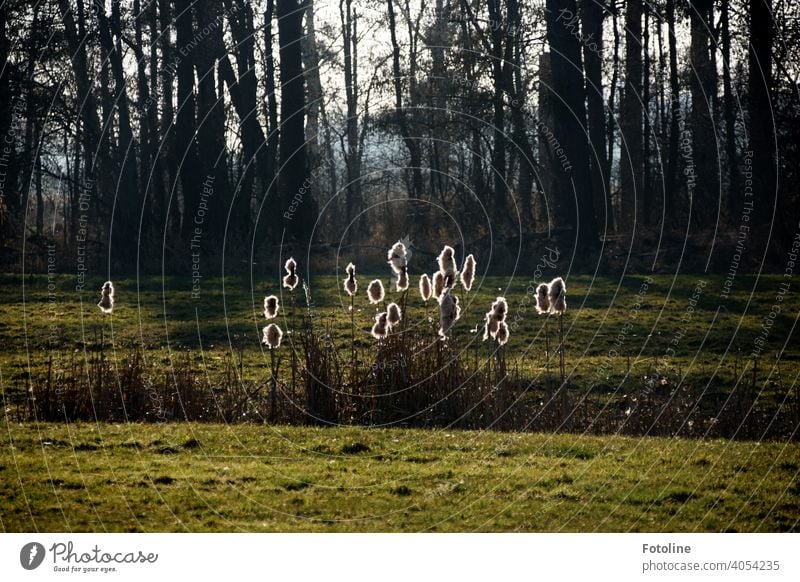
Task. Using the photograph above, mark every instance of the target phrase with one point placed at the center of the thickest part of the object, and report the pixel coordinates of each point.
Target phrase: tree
(243, 87)
(734, 184)
(186, 121)
(296, 203)
(703, 87)
(761, 130)
(411, 141)
(671, 185)
(573, 183)
(352, 153)
(211, 144)
(631, 162)
(593, 13)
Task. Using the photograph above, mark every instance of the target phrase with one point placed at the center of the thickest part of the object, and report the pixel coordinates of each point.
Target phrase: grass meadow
(671, 422)
(245, 477)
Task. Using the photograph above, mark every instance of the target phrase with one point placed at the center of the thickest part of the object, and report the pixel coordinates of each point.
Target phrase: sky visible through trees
(136, 133)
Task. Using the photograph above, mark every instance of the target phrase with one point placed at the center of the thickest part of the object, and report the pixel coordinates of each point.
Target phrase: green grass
(190, 477)
(614, 333)
(205, 477)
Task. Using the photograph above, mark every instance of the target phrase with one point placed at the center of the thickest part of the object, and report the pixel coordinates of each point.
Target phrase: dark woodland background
(630, 133)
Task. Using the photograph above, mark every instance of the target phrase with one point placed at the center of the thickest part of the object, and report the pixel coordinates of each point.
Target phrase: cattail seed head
(438, 284)
(425, 287)
(449, 313)
(494, 317)
(468, 272)
(375, 291)
(106, 304)
(381, 327)
(402, 280)
(270, 306)
(398, 257)
(447, 265)
(542, 299)
(500, 309)
(557, 296)
(350, 283)
(272, 336)
(490, 326)
(394, 314)
(291, 279)
(502, 333)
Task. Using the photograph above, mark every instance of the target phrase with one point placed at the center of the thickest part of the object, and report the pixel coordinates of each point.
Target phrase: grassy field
(621, 334)
(673, 352)
(190, 477)
(617, 330)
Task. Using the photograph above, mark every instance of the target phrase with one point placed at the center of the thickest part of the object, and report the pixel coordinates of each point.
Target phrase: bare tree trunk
(729, 113)
(273, 127)
(671, 190)
(38, 183)
(352, 155)
(124, 240)
(761, 130)
(520, 130)
(569, 117)
(500, 88)
(186, 121)
(631, 118)
(146, 115)
(211, 133)
(646, 207)
(243, 87)
(311, 65)
(156, 170)
(298, 203)
(592, 16)
(10, 204)
(611, 122)
(411, 142)
(97, 165)
(661, 129)
(168, 155)
(702, 84)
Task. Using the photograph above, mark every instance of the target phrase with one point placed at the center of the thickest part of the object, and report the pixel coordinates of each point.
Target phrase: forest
(141, 136)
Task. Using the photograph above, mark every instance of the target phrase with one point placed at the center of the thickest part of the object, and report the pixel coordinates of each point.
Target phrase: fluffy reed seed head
(468, 272)
(557, 295)
(394, 314)
(402, 280)
(500, 309)
(106, 303)
(380, 329)
(350, 283)
(270, 306)
(291, 279)
(542, 299)
(375, 291)
(502, 333)
(272, 336)
(449, 313)
(425, 287)
(447, 265)
(438, 284)
(494, 317)
(490, 326)
(398, 257)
